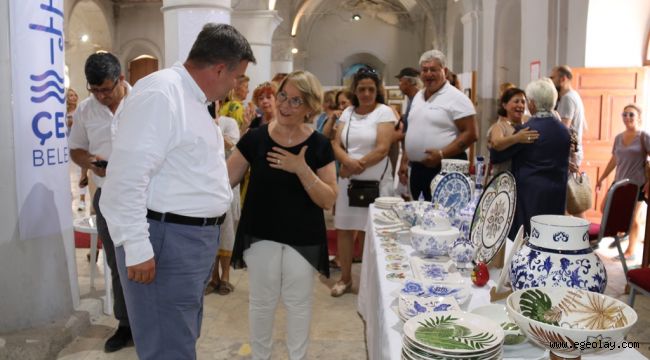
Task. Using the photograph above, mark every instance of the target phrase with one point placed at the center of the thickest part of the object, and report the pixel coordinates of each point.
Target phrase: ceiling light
(356, 17)
(84, 38)
(294, 51)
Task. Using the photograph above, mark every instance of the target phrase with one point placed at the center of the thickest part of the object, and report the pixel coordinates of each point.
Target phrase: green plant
(535, 305)
(442, 332)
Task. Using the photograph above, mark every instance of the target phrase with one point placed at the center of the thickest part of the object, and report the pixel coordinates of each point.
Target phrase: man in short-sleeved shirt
(570, 106)
(441, 125)
(90, 140)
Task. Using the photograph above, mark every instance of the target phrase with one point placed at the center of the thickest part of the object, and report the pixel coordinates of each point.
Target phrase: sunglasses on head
(628, 114)
(367, 71)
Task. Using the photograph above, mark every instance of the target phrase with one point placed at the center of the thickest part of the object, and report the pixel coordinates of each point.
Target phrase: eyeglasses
(628, 114)
(102, 91)
(294, 102)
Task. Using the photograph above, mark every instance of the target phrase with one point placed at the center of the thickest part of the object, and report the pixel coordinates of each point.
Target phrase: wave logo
(51, 86)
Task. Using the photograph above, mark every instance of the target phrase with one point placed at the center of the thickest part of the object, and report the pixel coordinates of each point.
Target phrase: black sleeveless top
(277, 207)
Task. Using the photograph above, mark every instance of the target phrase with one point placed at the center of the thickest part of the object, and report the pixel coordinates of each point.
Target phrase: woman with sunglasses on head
(281, 235)
(629, 154)
(361, 145)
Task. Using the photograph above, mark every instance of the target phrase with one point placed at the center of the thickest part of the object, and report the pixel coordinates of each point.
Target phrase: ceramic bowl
(435, 220)
(499, 315)
(576, 318)
(412, 212)
(433, 242)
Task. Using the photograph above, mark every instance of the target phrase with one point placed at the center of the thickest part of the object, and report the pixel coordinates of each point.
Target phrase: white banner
(41, 146)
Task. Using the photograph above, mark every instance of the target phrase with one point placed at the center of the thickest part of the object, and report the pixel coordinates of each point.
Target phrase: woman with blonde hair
(281, 235)
(629, 153)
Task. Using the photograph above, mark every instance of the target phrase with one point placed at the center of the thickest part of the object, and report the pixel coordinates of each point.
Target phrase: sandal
(225, 288)
(340, 288)
(212, 287)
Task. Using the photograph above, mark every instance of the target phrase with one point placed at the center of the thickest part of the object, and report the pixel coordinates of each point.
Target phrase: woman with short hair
(281, 235)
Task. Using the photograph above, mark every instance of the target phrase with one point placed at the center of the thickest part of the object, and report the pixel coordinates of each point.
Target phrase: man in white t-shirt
(90, 141)
(442, 124)
(570, 108)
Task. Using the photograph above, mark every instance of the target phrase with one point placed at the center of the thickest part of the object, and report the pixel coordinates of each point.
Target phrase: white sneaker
(82, 206)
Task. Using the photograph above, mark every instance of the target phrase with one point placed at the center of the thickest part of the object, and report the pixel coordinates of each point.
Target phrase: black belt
(185, 220)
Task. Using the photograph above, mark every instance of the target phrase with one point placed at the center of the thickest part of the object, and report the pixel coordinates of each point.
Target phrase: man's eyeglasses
(628, 114)
(294, 102)
(102, 91)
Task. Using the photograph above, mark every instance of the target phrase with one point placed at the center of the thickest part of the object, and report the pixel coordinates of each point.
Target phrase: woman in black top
(281, 234)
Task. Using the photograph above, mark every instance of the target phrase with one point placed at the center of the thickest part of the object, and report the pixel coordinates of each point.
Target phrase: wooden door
(141, 67)
(604, 92)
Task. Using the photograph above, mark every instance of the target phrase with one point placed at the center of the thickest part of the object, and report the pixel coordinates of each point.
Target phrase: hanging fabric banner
(41, 146)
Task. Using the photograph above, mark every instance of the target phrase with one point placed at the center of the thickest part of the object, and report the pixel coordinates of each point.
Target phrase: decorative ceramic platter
(459, 291)
(493, 216)
(397, 276)
(415, 352)
(386, 202)
(412, 305)
(397, 266)
(453, 192)
(504, 276)
(454, 332)
(433, 271)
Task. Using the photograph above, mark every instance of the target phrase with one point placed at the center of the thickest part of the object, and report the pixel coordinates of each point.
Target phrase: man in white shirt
(90, 141)
(167, 191)
(441, 125)
(570, 108)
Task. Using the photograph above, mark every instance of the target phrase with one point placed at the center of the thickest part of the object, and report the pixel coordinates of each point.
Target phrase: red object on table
(480, 274)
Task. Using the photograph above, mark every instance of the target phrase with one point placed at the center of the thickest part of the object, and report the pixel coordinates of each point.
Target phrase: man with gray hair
(442, 124)
(167, 190)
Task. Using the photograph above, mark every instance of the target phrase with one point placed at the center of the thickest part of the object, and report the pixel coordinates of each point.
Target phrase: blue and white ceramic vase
(447, 166)
(558, 254)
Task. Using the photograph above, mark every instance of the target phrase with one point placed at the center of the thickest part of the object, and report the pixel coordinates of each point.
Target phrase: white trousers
(276, 269)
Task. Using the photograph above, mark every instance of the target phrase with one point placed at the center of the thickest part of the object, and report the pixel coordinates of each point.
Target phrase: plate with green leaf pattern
(454, 332)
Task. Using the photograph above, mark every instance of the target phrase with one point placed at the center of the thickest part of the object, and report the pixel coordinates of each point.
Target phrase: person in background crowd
(454, 80)
(630, 151)
(281, 235)
(409, 85)
(326, 120)
(234, 107)
(264, 100)
(442, 124)
(572, 112)
(278, 78)
(361, 146)
(540, 167)
(90, 143)
(167, 192)
(221, 283)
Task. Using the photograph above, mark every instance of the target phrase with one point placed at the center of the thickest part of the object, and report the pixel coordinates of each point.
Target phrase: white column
(470, 41)
(281, 56)
(258, 27)
(184, 19)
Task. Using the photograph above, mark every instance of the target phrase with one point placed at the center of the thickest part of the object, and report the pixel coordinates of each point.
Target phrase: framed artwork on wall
(395, 94)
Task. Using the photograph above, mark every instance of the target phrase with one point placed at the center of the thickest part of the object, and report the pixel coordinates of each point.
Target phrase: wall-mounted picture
(395, 94)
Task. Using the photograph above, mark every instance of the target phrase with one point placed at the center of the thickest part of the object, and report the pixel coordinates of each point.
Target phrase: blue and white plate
(493, 216)
(411, 305)
(452, 193)
(459, 291)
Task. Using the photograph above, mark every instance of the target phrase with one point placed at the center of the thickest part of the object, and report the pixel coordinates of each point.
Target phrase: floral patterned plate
(454, 332)
(397, 266)
(435, 271)
(493, 216)
(412, 305)
(397, 276)
(459, 291)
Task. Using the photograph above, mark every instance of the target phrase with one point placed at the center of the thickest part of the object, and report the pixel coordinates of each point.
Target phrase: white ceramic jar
(558, 254)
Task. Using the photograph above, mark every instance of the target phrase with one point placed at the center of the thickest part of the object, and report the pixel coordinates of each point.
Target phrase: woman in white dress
(361, 145)
(221, 283)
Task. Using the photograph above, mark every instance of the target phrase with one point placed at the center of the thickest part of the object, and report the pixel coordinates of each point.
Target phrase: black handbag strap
(347, 138)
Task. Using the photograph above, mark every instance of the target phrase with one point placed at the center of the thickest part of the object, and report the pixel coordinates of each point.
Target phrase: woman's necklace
(290, 139)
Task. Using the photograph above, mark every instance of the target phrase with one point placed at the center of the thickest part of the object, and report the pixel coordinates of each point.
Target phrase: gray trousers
(119, 306)
(166, 314)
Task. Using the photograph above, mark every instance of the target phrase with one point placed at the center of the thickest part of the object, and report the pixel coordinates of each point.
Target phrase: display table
(88, 225)
(377, 298)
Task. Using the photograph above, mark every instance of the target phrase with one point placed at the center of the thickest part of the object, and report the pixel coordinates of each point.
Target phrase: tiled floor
(337, 331)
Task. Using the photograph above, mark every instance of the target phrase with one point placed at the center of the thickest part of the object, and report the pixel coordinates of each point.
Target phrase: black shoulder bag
(362, 193)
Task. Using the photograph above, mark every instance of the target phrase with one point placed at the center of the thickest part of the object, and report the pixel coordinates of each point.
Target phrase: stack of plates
(387, 202)
(452, 335)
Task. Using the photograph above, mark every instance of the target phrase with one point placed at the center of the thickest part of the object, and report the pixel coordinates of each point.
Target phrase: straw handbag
(578, 197)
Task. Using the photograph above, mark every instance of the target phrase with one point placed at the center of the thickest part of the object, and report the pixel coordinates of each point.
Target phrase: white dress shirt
(432, 122)
(168, 156)
(91, 130)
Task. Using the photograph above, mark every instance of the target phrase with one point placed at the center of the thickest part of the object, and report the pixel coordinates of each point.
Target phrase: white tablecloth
(377, 297)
